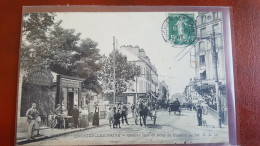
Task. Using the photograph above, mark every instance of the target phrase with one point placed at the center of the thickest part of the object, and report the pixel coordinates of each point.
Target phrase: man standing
(75, 115)
(124, 114)
(199, 115)
(32, 115)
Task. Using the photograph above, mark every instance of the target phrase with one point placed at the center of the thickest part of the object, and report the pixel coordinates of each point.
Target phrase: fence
(102, 110)
(213, 112)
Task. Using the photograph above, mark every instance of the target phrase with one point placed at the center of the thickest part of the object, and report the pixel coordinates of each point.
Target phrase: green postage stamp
(179, 29)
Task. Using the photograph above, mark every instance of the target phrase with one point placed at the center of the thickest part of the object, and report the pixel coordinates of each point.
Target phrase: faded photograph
(108, 78)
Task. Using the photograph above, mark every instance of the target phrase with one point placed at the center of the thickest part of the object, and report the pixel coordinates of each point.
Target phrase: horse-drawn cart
(174, 107)
(144, 109)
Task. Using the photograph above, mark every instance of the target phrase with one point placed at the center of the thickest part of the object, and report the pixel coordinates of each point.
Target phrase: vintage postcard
(124, 76)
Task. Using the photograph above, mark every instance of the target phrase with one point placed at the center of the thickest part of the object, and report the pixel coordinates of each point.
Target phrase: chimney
(142, 53)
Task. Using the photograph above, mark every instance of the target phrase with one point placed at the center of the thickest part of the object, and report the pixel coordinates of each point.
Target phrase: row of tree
(46, 43)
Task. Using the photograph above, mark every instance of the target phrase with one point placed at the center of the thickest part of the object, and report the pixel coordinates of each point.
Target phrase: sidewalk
(46, 132)
(189, 123)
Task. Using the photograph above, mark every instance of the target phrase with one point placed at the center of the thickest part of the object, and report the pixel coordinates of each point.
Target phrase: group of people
(79, 117)
(120, 111)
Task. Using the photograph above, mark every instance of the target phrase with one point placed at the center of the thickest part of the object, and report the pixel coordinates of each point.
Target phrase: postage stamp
(179, 29)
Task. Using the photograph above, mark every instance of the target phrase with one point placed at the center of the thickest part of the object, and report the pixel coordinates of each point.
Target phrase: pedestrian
(114, 112)
(133, 109)
(134, 113)
(58, 117)
(96, 116)
(84, 119)
(110, 117)
(199, 115)
(117, 117)
(32, 115)
(124, 114)
(75, 116)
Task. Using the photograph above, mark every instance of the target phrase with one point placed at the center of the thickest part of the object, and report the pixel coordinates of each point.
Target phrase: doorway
(70, 103)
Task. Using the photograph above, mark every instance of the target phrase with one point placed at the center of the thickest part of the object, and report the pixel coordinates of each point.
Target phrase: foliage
(46, 43)
(125, 72)
(205, 90)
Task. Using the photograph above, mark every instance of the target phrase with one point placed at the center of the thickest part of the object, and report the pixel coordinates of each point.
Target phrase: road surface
(173, 129)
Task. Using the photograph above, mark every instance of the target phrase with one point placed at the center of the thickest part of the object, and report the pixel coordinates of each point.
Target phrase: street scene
(122, 78)
(168, 130)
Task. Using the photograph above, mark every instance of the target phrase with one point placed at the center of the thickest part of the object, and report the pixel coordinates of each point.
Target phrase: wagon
(174, 107)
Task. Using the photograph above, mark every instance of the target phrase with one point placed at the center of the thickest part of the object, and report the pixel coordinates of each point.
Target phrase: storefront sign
(40, 76)
(69, 83)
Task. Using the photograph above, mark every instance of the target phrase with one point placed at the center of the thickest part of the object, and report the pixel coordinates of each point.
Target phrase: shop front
(68, 93)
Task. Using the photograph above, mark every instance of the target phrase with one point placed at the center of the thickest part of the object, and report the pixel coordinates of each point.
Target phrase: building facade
(207, 23)
(145, 83)
(210, 40)
(163, 91)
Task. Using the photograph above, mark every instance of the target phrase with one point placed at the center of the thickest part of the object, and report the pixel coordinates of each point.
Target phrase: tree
(205, 90)
(86, 64)
(124, 72)
(35, 25)
(58, 49)
(35, 38)
(45, 43)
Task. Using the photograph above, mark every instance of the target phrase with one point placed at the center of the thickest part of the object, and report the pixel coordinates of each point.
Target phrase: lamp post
(216, 79)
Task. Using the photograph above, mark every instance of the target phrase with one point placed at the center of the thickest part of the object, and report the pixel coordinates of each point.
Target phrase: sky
(133, 28)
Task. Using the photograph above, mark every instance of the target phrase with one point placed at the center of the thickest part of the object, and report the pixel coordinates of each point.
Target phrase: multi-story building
(145, 83)
(207, 23)
(190, 91)
(163, 91)
(210, 40)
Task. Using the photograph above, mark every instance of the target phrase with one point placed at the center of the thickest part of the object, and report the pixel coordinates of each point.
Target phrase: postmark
(179, 29)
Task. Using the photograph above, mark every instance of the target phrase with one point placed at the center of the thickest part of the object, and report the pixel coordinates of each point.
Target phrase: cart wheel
(53, 123)
(154, 120)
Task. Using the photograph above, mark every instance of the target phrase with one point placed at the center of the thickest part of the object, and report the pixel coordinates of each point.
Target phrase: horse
(143, 112)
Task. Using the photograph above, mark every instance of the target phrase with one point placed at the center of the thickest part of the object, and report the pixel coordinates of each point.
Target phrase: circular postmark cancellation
(179, 29)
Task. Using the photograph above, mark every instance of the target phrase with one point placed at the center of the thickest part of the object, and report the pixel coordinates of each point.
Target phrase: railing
(213, 112)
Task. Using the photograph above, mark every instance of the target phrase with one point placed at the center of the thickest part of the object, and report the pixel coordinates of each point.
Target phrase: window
(215, 15)
(203, 75)
(202, 32)
(202, 60)
(215, 27)
(203, 19)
